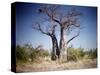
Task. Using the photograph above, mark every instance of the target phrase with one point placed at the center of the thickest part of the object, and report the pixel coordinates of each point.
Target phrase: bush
(92, 53)
(38, 53)
(21, 54)
(28, 53)
(33, 55)
(75, 54)
(79, 53)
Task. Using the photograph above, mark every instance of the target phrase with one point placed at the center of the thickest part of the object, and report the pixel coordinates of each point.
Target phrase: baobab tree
(67, 22)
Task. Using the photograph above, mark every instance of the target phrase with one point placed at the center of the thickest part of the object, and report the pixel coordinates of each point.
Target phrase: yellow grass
(49, 65)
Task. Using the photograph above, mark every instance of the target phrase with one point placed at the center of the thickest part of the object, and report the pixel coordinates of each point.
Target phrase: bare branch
(73, 37)
(52, 16)
(50, 12)
(53, 29)
(73, 22)
(71, 19)
(73, 13)
(37, 26)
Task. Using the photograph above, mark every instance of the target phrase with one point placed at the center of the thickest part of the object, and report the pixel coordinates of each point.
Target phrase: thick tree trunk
(61, 38)
(62, 45)
(55, 48)
(53, 54)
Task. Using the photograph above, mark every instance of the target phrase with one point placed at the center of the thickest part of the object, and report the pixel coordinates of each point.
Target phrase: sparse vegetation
(39, 59)
(21, 54)
(92, 53)
(27, 53)
(38, 53)
(76, 54)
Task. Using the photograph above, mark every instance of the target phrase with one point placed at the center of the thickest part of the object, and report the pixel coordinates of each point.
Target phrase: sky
(26, 15)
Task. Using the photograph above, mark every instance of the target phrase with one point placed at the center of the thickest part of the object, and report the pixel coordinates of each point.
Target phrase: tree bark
(61, 38)
(61, 42)
(55, 48)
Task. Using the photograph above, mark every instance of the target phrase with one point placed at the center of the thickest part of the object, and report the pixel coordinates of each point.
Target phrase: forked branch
(73, 37)
(37, 26)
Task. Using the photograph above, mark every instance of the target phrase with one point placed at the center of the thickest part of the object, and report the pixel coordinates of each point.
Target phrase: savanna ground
(49, 65)
(37, 59)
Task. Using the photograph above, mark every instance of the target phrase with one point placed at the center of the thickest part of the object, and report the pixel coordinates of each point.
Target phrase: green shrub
(28, 53)
(92, 53)
(75, 54)
(38, 53)
(21, 54)
(33, 55)
(80, 53)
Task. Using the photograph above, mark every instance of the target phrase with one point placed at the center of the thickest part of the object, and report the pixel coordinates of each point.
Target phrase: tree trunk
(62, 45)
(61, 38)
(55, 48)
(53, 54)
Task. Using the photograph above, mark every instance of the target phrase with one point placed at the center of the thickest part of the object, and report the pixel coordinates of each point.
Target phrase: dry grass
(49, 65)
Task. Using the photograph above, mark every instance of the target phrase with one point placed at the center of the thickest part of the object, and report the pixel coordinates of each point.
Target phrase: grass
(55, 65)
(31, 59)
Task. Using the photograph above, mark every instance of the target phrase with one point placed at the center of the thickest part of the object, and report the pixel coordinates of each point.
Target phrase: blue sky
(26, 14)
